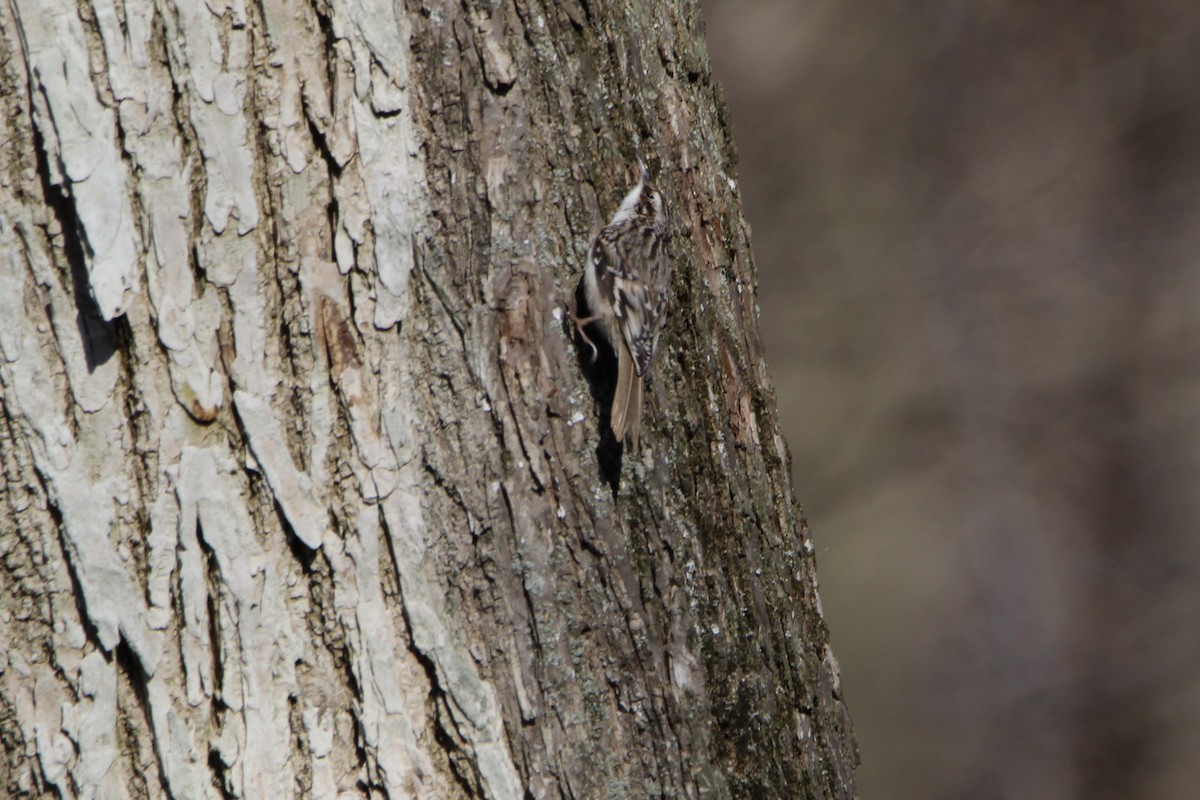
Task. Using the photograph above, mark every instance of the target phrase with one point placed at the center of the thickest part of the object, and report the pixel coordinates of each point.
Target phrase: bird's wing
(634, 276)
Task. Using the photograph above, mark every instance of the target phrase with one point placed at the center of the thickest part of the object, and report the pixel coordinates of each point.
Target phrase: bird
(626, 285)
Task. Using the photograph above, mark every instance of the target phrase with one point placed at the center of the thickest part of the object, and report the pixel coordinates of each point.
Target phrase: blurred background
(977, 229)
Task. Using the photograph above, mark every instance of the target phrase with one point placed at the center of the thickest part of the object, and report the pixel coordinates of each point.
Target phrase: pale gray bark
(308, 487)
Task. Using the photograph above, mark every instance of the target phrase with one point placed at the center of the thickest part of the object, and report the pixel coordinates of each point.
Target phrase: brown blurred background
(977, 228)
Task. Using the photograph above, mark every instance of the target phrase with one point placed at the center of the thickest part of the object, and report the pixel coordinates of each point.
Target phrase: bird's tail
(626, 417)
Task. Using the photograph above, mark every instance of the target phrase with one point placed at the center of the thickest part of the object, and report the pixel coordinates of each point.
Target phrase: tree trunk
(308, 480)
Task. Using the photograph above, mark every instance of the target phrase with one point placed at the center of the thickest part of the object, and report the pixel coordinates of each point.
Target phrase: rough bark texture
(307, 483)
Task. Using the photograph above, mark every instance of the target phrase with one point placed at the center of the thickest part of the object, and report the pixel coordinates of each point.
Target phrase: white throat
(629, 204)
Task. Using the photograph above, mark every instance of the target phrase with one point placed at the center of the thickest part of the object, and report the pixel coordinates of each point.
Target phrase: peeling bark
(309, 485)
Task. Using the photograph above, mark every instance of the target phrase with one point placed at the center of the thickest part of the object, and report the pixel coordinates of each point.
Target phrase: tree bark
(309, 484)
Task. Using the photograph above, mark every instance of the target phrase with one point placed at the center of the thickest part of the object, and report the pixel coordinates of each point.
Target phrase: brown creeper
(626, 283)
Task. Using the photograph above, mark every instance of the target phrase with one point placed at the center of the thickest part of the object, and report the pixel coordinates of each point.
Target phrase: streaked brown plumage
(626, 284)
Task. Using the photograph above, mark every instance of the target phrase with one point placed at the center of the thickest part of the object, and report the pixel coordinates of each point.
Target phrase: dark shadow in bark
(601, 375)
(99, 344)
